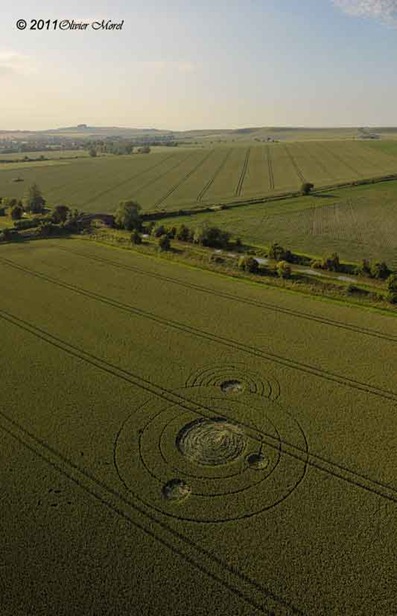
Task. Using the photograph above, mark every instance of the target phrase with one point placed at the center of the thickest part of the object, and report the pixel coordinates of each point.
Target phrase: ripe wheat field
(183, 441)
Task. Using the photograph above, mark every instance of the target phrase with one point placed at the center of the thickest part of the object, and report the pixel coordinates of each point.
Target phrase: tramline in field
(227, 434)
(193, 177)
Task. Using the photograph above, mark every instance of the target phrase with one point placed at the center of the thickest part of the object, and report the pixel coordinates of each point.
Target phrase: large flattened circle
(211, 442)
(154, 447)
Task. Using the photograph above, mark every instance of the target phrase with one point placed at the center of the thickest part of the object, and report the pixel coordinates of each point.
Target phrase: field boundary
(238, 298)
(213, 206)
(234, 344)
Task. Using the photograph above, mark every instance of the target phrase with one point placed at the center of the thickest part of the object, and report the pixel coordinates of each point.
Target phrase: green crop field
(357, 223)
(174, 178)
(176, 442)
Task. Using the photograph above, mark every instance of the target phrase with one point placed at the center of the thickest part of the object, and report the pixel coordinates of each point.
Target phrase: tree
(16, 212)
(171, 232)
(248, 264)
(332, 263)
(74, 221)
(164, 243)
(364, 269)
(276, 252)
(92, 152)
(283, 269)
(127, 216)
(380, 270)
(60, 213)
(392, 289)
(306, 188)
(158, 230)
(211, 236)
(34, 201)
(183, 233)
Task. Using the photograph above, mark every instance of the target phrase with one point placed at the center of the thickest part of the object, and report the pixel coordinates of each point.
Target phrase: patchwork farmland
(192, 177)
(145, 430)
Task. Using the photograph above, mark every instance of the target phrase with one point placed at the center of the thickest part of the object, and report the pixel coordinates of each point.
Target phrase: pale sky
(181, 64)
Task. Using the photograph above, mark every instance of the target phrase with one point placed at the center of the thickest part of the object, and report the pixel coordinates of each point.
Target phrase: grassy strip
(366, 295)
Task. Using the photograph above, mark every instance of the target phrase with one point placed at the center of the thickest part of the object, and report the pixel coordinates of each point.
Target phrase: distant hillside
(261, 133)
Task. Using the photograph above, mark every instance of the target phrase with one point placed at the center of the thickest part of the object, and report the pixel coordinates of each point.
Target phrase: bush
(74, 222)
(60, 213)
(352, 289)
(10, 234)
(331, 263)
(316, 264)
(171, 232)
(306, 188)
(380, 270)
(158, 230)
(47, 228)
(277, 252)
(136, 237)
(213, 237)
(183, 233)
(392, 283)
(364, 269)
(149, 227)
(392, 297)
(214, 258)
(164, 243)
(248, 264)
(283, 269)
(26, 224)
(16, 212)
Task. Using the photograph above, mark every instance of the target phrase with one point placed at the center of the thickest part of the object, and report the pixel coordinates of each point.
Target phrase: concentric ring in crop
(237, 469)
(211, 442)
(234, 379)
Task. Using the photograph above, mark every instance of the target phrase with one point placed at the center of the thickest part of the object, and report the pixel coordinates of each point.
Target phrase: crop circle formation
(211, 441)
(212, 456)
(234, 379)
